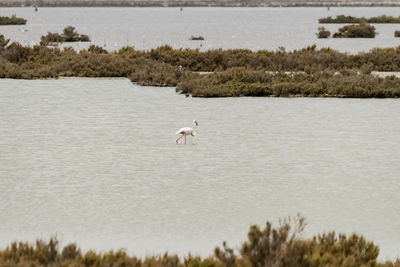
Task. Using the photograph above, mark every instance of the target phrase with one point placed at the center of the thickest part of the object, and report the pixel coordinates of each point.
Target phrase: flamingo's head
(193, 133)
(195, 122)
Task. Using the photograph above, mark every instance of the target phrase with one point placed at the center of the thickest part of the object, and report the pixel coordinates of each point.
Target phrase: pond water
(101, 167)
(248, 28)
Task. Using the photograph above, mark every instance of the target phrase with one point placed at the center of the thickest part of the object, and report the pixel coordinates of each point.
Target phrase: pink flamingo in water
(186, 131)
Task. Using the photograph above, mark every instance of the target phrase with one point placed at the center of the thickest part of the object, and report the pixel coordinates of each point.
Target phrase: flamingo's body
(186, 131)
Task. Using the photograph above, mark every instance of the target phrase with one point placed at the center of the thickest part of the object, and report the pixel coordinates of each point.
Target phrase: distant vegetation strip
(242, 82)
(237, 72)
(13, 20)
(196, 3)
(341, 19)
(268, 246)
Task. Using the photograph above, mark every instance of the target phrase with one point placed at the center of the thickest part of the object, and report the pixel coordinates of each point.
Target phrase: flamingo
(186, 131)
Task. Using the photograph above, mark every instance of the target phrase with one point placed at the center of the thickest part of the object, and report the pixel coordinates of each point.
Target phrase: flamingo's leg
(179, 138)
(185, 139)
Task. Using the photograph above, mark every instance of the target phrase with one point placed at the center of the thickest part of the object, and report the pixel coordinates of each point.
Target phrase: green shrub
(3, 43)
(323, 33)
(69, 35)
(196, 38)
(12, 21)
(350, 19)
(340, 19)
(97, 49)
(16, 53)
(362, 30)
(71, 252)
(51, 38)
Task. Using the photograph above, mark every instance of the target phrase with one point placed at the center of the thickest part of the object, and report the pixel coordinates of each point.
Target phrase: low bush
(97, 49)
(12, 21)
(323, 33)
(69, 35)
(196, 38)
(362, 30)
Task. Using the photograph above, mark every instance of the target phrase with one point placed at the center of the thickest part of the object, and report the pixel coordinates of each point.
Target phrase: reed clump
(269, 246)
(13, 20)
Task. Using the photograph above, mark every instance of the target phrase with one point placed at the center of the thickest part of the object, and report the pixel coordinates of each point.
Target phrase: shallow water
(101, 166)
(248, 28)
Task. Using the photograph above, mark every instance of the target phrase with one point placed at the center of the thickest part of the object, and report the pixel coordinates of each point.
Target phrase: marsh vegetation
(362, 30)
(196, 38)
(238, 72)
(69, 35)
(323, 33)
(342, 19)
(13, 20)
(280, 245)
(242, 82)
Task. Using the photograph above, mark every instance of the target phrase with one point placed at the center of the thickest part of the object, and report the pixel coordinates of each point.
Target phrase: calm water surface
(101, 166)
(249, 28)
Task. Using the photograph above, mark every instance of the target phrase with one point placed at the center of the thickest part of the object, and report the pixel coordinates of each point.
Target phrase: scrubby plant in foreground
(269, 246)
